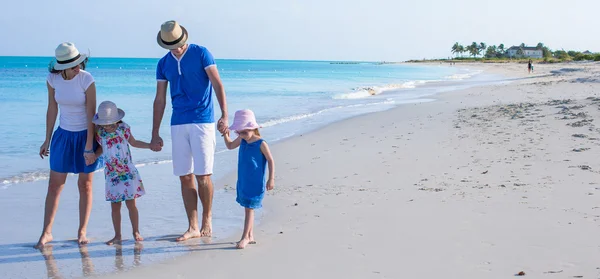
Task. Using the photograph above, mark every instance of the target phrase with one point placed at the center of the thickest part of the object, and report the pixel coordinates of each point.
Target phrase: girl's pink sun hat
(244, 120)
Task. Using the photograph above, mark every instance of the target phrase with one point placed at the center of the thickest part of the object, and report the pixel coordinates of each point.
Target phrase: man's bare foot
(137, 236)
(115, 240)
(188, 235)
(82, 239)
(206, 230)
(251, 240)
(242, 243)
(45, 238)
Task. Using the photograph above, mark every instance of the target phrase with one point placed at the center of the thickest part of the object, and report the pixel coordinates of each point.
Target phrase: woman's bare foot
(82, 239)
(44, 238)
(115, 240)
(137, 236)
(188, 235)
(242, 243)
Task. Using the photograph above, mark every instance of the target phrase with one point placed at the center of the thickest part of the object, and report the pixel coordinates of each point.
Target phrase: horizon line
(248, 59)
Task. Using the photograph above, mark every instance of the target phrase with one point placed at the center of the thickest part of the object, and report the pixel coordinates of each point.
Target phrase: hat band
(173, 42)
(70, 60)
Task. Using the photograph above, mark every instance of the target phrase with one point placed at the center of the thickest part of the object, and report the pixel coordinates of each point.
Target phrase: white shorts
(193, 148)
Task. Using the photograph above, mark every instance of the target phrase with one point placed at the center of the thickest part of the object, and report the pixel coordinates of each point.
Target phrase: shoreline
(343, 213)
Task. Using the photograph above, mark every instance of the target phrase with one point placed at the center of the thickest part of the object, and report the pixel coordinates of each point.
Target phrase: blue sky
(375, 30)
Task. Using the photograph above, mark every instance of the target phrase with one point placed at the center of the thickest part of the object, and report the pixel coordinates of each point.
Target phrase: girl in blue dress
(253, 158)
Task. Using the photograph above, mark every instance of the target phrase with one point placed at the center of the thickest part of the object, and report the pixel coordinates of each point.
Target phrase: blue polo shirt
(191, 90)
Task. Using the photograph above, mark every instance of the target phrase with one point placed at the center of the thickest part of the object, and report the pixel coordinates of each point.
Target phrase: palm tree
(473, 49)
(501, 49)
(482, 47)
(461, 50)
(491, 52)
(455, 48)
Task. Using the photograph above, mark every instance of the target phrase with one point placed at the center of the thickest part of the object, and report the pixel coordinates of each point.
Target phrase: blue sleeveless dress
(251, 183)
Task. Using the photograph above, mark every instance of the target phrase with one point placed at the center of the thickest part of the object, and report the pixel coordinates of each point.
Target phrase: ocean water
(288, 97)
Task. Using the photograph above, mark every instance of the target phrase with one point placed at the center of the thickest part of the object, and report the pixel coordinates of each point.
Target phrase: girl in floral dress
(123, 181)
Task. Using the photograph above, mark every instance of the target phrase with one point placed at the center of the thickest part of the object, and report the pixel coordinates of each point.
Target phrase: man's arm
(215, 79)
(160, 102)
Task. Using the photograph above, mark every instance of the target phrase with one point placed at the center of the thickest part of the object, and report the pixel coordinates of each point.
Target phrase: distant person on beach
(72, 95)
(192, 73)
(530, 66)
(254, 155)
(122, 179)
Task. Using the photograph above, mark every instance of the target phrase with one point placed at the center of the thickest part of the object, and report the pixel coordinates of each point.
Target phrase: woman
(71, 89)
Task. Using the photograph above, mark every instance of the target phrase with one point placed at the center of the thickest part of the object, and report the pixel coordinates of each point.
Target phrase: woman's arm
(231, 144)
(90, 108)
(51, 115)
(264, 148)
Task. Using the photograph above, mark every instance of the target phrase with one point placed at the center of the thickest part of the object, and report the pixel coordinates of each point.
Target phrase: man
(192, 73)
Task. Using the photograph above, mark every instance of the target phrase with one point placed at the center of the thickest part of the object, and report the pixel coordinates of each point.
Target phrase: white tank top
(70, 96)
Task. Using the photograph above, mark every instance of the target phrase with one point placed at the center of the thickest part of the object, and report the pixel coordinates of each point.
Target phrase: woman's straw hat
(67, 56)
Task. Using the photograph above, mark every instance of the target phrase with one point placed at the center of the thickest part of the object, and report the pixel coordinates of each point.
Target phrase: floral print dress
(123, 181)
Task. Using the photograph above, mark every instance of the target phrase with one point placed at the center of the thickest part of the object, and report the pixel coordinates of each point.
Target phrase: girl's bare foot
(242, 243)
(82, 239)
(45, 238)
(115, 240)
(137, 236)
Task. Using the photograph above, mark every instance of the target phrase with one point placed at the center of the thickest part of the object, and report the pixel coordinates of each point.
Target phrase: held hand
(223, 124)
(270, 184)
(156, 144)
(44, 150)
(90, 158)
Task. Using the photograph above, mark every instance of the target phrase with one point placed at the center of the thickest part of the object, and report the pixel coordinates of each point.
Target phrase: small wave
(462, 76)
(364, 92)
(29, 176)
(295, 117)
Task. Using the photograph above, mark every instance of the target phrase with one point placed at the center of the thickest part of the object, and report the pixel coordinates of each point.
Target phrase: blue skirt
(66, 152)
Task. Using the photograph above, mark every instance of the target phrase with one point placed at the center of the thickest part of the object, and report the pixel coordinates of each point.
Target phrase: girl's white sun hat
(108, 113)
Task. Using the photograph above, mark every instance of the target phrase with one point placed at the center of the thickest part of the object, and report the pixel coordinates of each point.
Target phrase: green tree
(501, 50)
(461, 49)
(456, 48)
(482, 47)
(473, 49)
(546, 53)
(562, 55)
(491, 52)
(520, 52)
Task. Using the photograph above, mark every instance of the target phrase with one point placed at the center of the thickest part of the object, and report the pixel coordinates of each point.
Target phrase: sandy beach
(485, 182)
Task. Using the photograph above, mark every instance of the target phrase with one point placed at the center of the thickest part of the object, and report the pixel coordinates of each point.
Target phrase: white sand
(464, 187)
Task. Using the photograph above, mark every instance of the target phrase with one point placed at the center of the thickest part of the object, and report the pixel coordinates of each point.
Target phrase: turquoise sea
(288, 97)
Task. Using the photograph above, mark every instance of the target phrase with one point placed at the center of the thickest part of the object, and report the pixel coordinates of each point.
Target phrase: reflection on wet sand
(137, 256)
(87, 265)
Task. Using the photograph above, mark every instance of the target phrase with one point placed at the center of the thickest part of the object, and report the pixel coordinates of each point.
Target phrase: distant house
(587, 52)
(530, 52)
